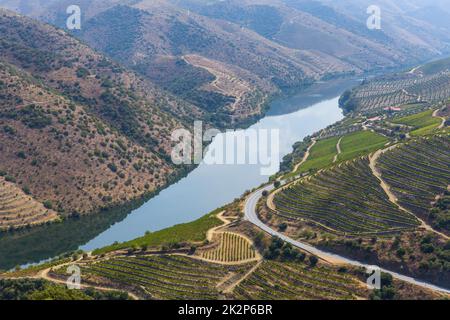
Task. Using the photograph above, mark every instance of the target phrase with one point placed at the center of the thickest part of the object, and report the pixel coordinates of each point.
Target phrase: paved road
(250, 215)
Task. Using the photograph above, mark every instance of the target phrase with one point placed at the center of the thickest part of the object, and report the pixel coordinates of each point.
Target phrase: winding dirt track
(43, 274)
(305, 156)
(435, 114)
(338, 148)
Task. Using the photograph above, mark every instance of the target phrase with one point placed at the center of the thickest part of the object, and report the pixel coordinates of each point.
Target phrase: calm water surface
(211, 186)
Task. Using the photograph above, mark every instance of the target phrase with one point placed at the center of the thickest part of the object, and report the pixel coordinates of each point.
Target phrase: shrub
(401, 252)
(10, 179)
(282, 226)
(313, 261)
(112, 167)
(10, 130)
(21, 154)
(48, 204)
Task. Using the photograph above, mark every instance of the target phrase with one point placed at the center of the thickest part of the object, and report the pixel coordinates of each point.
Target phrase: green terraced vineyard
(276, 281)
(417, 172)
(321, 155)
(165, 276)
(346, 199)
(360, 143)
(422, 122)
(232, 248)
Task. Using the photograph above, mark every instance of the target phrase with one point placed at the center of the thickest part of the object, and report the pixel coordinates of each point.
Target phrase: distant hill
(266, 46)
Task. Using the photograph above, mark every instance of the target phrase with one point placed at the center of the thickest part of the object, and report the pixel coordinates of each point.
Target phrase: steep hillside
(265, 45)
(426, 84)
(79, 132)
(134, 107)
(341, 29)
(65, 157)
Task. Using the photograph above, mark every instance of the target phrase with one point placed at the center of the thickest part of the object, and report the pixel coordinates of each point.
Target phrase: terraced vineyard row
(18, 209)
(166, 276)
(417, 172)
(384, 100)
(232, 248)
(434, 88)
(399, 90)
(346, 199)
(276, 281)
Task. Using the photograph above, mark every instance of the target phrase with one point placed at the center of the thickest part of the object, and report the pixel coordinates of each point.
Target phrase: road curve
(251, 216)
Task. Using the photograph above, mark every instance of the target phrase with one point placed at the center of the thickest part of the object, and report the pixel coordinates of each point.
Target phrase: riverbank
(200, 191)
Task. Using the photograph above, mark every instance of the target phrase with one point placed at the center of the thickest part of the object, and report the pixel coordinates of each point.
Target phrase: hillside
(42, 133)
(265, 46)
(69, 110)
(423, 85)
(345, 41)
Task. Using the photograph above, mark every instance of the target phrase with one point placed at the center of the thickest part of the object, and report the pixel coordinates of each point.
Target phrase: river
(211, 186)
(201, 191)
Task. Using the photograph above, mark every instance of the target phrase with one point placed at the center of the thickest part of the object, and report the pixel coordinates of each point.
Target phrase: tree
(277, 184)
(401, 252)
(313, 261)
(48, 204)
(259, 239)
(282, 226)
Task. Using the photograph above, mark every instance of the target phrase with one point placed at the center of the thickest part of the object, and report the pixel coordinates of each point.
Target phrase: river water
(211, 186)
(201, 191)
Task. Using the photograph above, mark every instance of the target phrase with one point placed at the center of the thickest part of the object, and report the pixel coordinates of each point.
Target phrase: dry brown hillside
(17, 209)
(62, 154)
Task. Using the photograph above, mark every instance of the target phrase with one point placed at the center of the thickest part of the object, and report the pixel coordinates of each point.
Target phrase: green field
(360, 143)
(423, 123)
(321, 155)
(352, 145)
(191, 231)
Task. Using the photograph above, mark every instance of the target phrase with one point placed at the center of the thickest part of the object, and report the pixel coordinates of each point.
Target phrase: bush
(21, 154)
(259, 239)
(313, 261)
(48, 204)
(10, 179)
(112, 167)
(401, 252)
(282, 226)
(426, 247)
